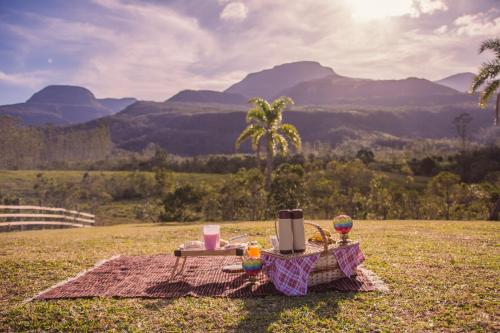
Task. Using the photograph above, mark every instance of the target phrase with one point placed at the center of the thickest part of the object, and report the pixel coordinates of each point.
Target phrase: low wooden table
(184, 254)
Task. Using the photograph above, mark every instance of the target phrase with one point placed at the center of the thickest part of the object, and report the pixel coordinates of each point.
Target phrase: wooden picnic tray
(184, 254)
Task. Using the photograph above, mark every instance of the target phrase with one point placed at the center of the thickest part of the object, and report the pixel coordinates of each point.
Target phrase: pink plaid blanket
(290, 275)
(349, 258)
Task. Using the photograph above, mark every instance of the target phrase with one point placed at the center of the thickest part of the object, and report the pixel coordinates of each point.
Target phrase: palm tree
(488, 73)
(265, 123)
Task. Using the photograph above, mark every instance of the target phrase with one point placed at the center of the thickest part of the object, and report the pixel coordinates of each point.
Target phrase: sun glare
(366, 10)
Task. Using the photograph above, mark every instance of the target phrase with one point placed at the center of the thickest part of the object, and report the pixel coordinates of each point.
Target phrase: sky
(151, 49)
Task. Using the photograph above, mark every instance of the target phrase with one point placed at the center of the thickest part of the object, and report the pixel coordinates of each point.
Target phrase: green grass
(443, 276)
(20, 183)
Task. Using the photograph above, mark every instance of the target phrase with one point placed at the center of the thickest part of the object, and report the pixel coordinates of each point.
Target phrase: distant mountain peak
(63, 94)
(460, 82)
(63, 105)
(304, 64)
(460, 75)
(269, 82)
(208, 96)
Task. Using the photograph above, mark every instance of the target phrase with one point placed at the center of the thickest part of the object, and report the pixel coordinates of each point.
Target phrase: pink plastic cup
(211, 236)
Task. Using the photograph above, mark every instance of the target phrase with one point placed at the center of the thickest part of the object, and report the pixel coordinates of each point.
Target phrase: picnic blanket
(149, 277)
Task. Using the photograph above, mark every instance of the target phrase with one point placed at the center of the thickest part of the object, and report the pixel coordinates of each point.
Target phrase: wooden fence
(13, 216)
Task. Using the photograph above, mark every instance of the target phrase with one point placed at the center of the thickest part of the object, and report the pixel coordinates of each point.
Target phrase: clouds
(234, 12)
(372, 10)
(31, 80)
(429, 6)
(151, 57)
(481, 24)
(152, 49)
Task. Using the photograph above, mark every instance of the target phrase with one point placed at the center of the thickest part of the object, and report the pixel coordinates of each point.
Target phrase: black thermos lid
(285, 214)
(297, 214)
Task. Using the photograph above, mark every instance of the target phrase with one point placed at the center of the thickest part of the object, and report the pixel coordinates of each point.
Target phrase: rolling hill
(64, 105)
(116, 104)
(196, 129)
(339, 90)
(460, 82)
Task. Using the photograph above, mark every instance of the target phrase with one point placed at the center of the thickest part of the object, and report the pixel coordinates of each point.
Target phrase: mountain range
(64, 105)
(330, 108)
(306, 82)
(310, 83)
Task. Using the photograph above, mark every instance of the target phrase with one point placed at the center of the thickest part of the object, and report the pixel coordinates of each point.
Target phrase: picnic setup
(294, 265)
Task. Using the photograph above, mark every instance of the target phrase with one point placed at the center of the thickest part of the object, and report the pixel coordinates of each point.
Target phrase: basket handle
(322, 233)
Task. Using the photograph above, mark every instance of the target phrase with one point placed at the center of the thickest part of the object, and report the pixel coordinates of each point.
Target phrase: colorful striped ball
(252, 266)
(342, 224)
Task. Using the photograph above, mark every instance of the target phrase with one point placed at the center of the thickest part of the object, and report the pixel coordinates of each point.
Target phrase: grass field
(443, 276)
(20, 183)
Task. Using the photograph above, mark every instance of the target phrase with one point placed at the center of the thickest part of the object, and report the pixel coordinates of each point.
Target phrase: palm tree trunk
(269, 166)
(257, 153)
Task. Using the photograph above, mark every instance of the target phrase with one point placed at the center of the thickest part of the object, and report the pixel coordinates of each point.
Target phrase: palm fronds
(488, 71)
(262, 104)
(265, 123)
(488, 92)
(292, 134)
(256, 137)
(281, 144)
(492, 44)
(248, 132)
(487, 75)
(256, 114)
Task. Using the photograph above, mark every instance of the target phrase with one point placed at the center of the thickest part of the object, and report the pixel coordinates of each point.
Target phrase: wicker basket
(326, 268)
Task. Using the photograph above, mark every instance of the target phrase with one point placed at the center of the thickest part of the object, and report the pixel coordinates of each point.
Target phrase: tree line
(27, 147)
(322, 190)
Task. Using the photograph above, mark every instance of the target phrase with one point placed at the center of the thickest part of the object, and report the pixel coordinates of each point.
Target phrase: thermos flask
(299, 236)
(285, 232)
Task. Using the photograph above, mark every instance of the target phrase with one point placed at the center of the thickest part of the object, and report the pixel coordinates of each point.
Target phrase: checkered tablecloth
(349, 258)
(290, 275)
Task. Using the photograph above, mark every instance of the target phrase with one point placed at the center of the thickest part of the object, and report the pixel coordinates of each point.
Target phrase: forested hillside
(23, 147)
(193, 129)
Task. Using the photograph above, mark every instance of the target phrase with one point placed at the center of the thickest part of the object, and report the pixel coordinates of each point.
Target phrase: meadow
(20, 183)
(443, 277)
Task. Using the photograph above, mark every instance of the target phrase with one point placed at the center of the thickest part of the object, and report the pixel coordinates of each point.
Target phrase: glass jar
(253, 250)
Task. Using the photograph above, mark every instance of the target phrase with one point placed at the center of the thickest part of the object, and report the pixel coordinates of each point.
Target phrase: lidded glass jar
(253, 250)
